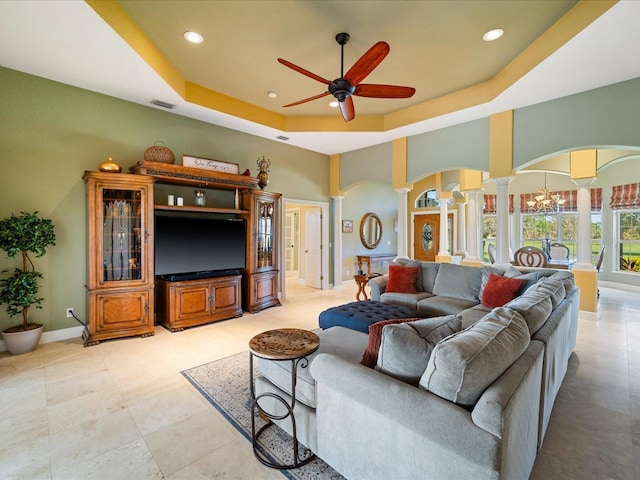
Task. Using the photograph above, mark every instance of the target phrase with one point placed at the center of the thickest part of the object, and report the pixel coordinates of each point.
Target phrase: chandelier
(544, 201)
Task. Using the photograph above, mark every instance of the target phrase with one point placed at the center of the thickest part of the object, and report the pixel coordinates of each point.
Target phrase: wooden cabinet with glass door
(120, 280)
(260, 275)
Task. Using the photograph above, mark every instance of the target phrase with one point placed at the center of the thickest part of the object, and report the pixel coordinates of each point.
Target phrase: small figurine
(263, 166)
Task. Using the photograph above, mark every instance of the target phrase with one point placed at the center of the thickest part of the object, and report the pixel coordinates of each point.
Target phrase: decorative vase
(110, 166)
(24, 341)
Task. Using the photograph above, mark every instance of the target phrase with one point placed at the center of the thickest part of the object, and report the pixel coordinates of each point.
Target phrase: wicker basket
(159, 153)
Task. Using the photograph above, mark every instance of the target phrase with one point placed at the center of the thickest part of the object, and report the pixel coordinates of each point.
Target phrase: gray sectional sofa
(467, 393)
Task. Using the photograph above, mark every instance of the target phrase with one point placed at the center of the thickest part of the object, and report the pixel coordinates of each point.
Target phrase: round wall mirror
(370, 230)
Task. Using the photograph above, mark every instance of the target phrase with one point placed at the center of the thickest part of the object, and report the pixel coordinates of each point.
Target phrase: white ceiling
(67, 41)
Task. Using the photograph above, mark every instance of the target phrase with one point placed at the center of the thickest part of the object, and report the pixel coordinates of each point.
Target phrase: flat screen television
(192, 245)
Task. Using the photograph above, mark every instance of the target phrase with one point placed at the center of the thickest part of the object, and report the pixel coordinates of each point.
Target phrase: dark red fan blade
(304, 72)
(307, 99)
(383, 91)
(347, 109)
(367, 62)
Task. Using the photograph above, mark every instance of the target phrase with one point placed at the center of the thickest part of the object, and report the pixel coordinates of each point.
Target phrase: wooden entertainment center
(122, 290)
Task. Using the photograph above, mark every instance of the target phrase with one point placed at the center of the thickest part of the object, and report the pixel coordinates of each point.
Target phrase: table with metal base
(284, 344)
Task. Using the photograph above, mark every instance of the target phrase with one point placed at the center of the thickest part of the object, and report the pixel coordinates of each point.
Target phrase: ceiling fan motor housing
(341, 89)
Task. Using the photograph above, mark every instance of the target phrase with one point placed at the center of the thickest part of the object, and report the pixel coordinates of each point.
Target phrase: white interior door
(313, 243)
(291, 243)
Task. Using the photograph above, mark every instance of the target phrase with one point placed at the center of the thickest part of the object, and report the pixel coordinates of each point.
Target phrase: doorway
(305, 243)
(426, 236)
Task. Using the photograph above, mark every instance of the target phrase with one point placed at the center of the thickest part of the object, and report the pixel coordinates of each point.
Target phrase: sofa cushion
(458, 281)
(500, 290)
(554, 287)
(472, 315)
(534, 306)
(406, 262)
(464, 364)
(405, 347)
(402, 279)
(343, 342)
(567, 278)
(409, 300)
(441, 305)
(428, 274)
(370, 356)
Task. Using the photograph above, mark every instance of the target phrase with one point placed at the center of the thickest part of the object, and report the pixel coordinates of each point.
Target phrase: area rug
(225, 384)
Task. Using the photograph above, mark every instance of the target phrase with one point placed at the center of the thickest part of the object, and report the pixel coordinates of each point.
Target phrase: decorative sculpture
(263, 169)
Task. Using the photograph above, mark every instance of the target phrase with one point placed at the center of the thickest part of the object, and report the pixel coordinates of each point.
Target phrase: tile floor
(122, 410)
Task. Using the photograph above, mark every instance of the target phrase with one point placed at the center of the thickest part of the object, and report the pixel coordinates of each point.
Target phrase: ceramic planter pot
(22, 342)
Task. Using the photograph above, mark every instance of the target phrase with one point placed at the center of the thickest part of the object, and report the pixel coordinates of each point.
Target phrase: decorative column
(502, 220)
(462, 230)
(584, 224)
(337, 241)
(443, 253)
(472, 223)
(403, 226)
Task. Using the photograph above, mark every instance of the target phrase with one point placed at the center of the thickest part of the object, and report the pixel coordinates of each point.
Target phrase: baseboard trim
(54, 336)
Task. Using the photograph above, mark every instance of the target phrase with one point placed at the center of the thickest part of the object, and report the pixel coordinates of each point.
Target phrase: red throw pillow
(500, 290)
(402, 279)
(370, 356)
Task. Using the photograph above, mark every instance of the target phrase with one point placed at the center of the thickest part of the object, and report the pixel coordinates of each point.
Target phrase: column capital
(584, 182)
(502, 180)
(338, 197)
(404, 190)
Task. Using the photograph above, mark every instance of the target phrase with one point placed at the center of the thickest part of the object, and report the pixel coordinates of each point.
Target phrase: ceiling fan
(346, 86)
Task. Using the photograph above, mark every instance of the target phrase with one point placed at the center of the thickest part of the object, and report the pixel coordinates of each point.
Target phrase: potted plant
(23, 234)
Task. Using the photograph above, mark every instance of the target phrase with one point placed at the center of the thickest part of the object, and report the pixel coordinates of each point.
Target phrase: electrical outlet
(69, 312)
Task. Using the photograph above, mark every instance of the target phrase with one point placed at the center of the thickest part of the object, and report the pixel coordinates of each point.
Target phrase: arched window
(428, 199)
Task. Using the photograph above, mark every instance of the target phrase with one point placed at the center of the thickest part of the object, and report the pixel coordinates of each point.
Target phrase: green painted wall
(51, 133)
(604, 117)
(371, 163)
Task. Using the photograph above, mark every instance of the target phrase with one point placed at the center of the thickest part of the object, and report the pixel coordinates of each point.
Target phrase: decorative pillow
(405, 262)
(458, 281)
(464, 364)
(370, 355)
(500, 290)
(405, 348)
(428, 274)
(528, 278)
(402, 279)
(534, 306)
(487, 271)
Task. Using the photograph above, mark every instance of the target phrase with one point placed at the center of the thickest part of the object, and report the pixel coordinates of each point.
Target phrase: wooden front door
(426, 236)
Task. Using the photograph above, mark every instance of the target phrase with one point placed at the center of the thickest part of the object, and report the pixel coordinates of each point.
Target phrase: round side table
(284, 344)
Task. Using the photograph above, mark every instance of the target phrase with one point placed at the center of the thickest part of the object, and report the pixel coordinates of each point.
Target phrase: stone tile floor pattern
(122, 409)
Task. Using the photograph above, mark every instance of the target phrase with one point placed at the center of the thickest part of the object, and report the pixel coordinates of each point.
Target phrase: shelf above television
(195, 177)
(200, 209)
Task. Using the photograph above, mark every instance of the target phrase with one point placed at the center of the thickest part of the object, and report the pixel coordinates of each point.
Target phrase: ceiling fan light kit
(347, 86)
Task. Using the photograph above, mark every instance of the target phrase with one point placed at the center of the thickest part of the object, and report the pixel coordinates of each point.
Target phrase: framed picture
(209, 164)
(347, 226)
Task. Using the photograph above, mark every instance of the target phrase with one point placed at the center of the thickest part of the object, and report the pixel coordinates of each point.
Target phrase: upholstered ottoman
(275, 377)
(359, 315)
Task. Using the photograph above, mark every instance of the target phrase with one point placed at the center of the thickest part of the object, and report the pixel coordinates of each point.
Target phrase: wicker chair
(530, 257)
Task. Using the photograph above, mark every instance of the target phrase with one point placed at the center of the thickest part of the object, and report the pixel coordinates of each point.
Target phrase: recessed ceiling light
(193, 37)
(492, 35)
(272, 94)
(333, 104)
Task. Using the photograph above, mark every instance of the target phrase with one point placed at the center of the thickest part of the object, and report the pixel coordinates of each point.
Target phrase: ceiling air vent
(162, 104)
(282, 137)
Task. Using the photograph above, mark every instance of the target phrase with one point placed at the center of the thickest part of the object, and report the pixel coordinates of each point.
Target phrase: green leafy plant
(21, 235)
(630, 264)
